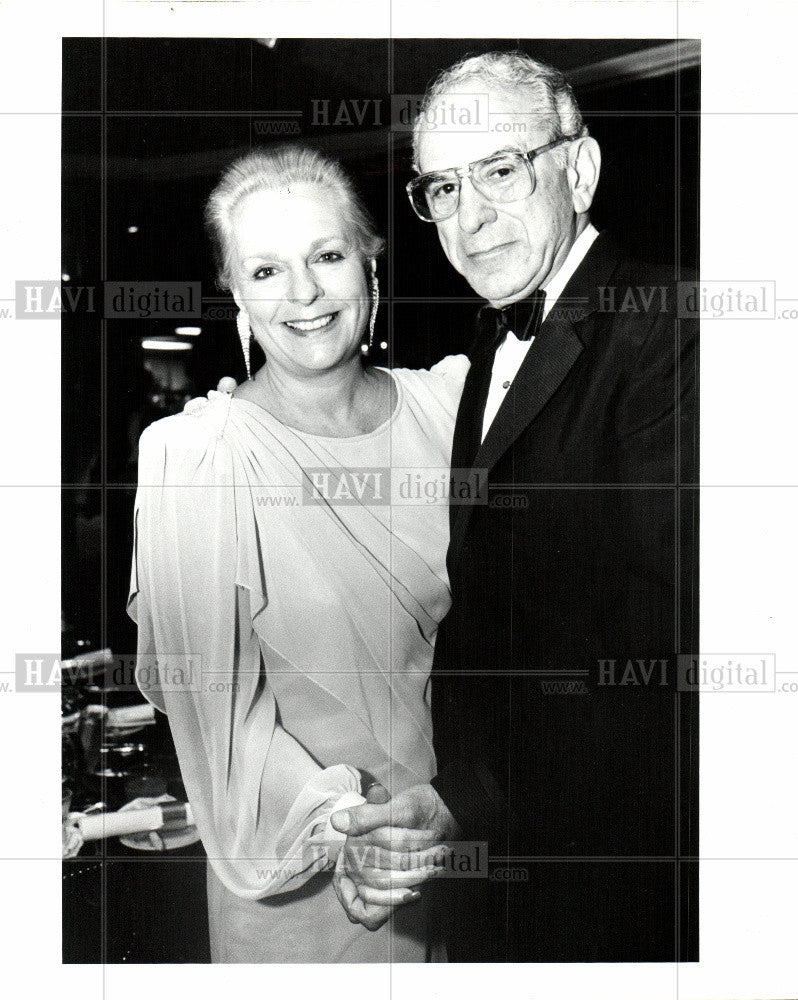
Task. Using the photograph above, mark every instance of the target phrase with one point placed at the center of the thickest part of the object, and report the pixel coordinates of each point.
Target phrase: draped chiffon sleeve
(260, 800)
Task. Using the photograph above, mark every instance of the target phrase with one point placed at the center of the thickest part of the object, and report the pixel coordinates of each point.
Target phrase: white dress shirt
(512, 351)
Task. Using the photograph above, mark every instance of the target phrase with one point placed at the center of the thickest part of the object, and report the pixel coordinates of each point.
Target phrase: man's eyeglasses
(503, 177)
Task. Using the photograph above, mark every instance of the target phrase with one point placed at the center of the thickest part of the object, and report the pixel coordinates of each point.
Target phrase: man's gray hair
(548, 93)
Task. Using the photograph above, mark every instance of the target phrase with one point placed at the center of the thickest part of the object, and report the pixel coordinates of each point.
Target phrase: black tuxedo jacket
(561, 737)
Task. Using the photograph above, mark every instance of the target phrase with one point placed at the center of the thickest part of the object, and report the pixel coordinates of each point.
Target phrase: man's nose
(474, 209)
(304, 289)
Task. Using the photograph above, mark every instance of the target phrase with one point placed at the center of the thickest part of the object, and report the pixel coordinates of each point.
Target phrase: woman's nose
(304, 289)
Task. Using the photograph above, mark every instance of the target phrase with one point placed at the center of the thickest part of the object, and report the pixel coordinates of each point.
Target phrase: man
(560, 737)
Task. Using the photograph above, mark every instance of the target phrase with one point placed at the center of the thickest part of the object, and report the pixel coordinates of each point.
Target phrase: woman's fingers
(346, 892)
(399, 861)
(377, 794)
(387, 897)
(351, 901)
(399, 839)
(360, 911)
(386, 879)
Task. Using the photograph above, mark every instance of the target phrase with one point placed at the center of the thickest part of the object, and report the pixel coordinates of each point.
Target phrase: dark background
(148, 125)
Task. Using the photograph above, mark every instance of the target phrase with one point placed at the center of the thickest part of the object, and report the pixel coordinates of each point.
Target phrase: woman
(270, 552)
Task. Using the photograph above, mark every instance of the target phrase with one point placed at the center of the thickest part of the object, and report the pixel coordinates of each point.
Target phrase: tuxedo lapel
(549, 359)
(468, 426)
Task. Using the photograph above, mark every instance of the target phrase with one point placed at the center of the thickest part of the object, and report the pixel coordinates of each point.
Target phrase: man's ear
(584, 166)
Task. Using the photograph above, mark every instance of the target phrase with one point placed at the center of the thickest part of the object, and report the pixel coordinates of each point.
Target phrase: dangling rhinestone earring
(245, 335)
(375, 301)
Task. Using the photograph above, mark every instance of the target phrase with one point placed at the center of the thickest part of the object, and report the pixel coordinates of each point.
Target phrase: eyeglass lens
(504, 177)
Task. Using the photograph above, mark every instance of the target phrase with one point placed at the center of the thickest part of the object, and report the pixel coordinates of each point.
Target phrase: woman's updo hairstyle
(280, 167)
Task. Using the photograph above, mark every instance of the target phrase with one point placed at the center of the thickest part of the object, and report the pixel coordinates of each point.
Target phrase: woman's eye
(330, 255)
(263, 272)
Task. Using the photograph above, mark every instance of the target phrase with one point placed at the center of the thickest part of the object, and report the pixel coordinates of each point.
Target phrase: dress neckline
(380, 429)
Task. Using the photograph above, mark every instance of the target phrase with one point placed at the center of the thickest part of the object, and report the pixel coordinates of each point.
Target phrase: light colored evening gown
(293, 619)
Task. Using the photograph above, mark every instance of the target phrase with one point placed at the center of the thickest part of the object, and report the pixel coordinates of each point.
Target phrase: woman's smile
(309, 325)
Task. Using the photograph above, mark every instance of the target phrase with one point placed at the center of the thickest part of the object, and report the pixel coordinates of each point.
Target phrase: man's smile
(494, 251)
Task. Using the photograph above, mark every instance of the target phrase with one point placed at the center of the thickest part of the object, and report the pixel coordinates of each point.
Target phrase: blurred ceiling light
(132, 229)
(268, 42)
(188, 331)
(164, 344)
(383, 345)
(65, 276)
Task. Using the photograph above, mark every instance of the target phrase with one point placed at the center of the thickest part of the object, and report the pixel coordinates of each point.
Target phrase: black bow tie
(522, 318)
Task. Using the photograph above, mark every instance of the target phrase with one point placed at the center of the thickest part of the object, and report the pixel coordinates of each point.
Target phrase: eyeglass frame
(529, 156)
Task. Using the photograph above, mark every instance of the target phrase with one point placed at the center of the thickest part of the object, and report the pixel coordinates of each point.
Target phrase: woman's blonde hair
(279, 167)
